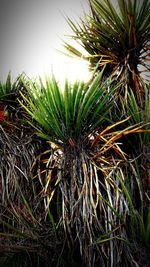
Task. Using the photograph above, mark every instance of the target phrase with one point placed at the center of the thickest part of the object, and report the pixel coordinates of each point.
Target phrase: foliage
(30, 234)
(83, 181)
(128, 106)
(9, 90)
(138, 221)
(76, 122)
(27, 227)
(118, 35)
(71, 116)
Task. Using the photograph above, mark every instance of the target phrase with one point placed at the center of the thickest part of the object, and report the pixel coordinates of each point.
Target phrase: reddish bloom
(3, 112)
(2, 115)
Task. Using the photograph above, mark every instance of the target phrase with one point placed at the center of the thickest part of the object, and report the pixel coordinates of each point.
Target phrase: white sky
(30, 33)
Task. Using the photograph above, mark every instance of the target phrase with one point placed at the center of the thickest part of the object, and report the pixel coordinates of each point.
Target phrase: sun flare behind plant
(72, 68)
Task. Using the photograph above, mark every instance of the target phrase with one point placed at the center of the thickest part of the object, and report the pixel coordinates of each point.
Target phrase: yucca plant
(118, 34)
(8, 89)
(11, 115)
(21, 208)
(29, 229)
(130, 107)
(8, 93)
(137, 223)
(17, 148)
(86, 153)
(139, 145)
(28, 236)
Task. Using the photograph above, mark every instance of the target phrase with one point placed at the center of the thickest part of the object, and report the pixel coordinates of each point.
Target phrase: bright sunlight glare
(32, 33)
(74, 70)
(62, 66)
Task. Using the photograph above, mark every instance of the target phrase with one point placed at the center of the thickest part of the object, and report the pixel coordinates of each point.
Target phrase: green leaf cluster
(118, 34)
(9, 90)
(69, 115)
